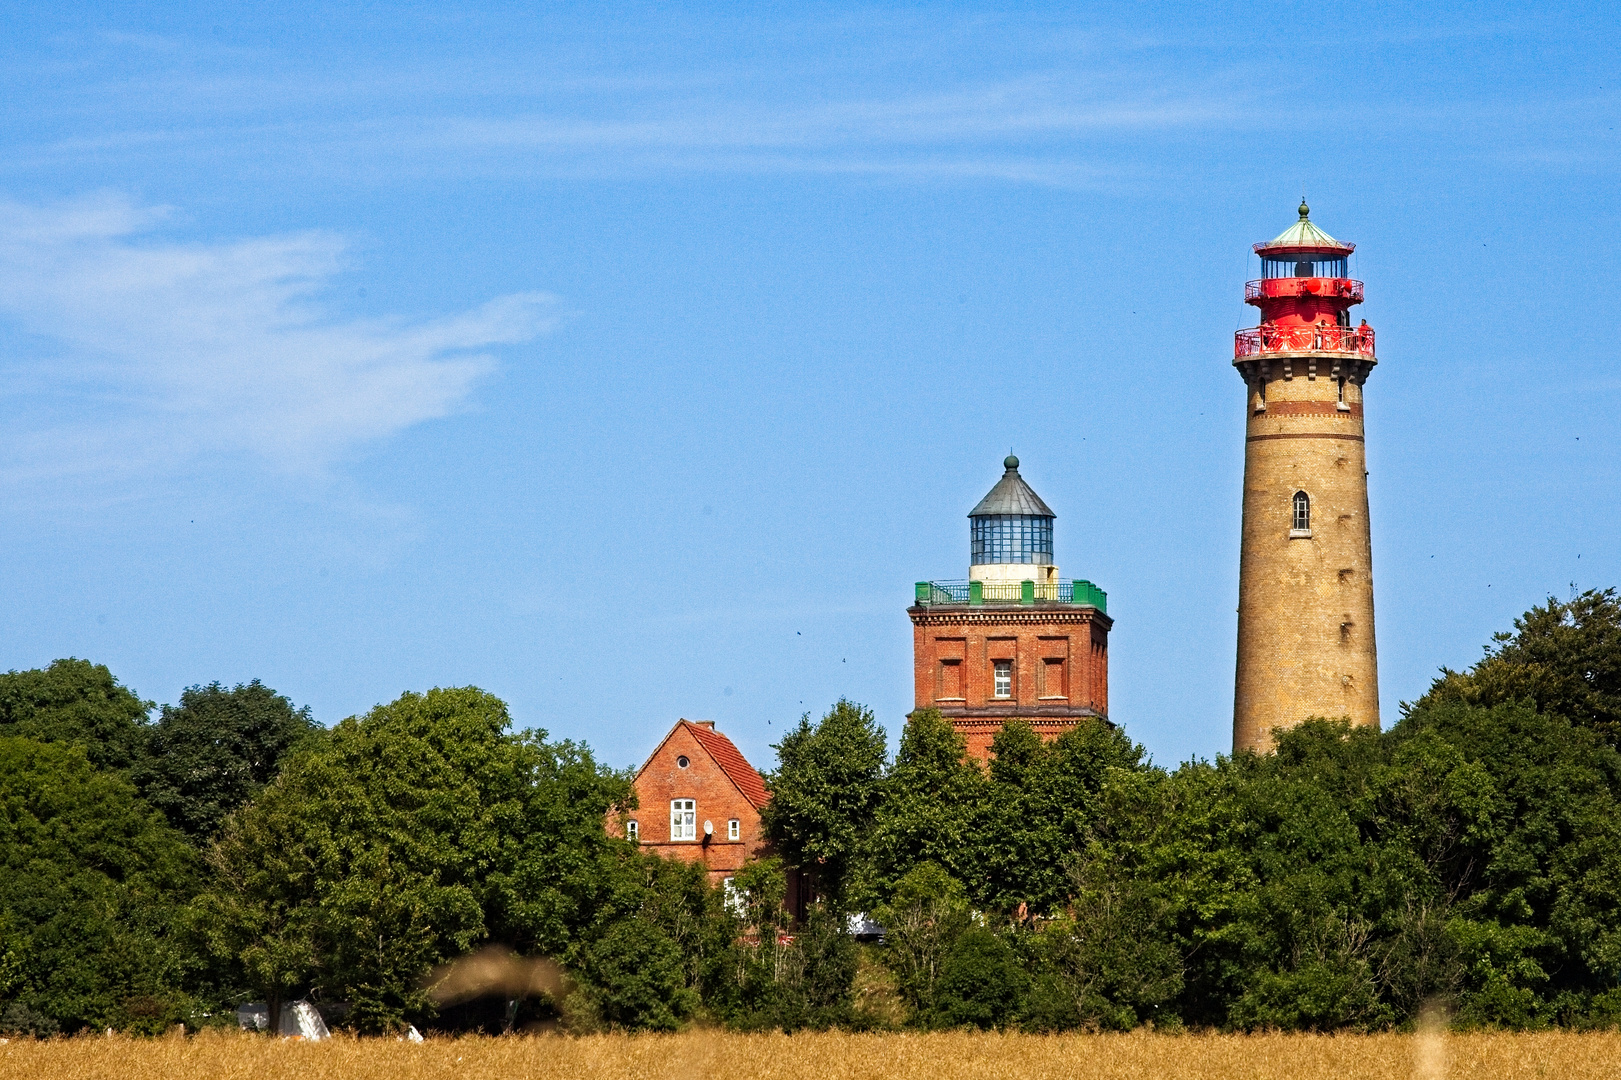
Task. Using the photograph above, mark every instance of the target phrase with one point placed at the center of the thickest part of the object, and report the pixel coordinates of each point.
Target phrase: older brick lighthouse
(1014, 639)
(1305, 581)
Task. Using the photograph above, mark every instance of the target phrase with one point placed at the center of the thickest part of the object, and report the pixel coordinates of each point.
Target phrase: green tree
(212, 752)
(1534, 871)
(78, 702)
(91, 883)
(634, 974)
(825, 792)
(399, 840)
(930, 809)
(1040, 808)
(777, 980)
(982, 982)
(925, 914)
(672, 895)
(1563, 657)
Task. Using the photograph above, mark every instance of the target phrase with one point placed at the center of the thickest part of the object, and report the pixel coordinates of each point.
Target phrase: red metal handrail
(1326, 287)
(1267, 338)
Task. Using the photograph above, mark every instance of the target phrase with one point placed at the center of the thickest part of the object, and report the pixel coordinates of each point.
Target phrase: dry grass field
(702, 1055)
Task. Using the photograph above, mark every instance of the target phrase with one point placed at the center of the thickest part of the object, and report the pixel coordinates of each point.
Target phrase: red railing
(1259, 340)
(1272, 288)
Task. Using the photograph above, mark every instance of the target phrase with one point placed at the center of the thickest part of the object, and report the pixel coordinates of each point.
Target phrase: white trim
(683, 819)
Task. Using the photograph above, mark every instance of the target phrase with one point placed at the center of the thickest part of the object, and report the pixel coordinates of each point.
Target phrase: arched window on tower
(1301, 520)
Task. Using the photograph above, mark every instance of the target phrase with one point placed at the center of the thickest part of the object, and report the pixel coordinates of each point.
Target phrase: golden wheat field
(696, 1055)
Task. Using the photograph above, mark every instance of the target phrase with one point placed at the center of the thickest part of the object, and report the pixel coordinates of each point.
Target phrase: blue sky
(633, 363)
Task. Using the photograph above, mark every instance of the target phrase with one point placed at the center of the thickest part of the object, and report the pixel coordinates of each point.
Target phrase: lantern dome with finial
(1011, 527)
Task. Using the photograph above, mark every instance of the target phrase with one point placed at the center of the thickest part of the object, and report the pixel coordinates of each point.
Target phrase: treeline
(156, 870)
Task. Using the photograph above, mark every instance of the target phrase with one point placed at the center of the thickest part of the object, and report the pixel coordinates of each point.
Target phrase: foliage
(926, 912)
(635, 977)
(398, 842)
(825, 792)
(212, 752)
(1469, 858)
(781, 976)
(1040, 807)
(675, 897)
(1565, 658)
(982, 982)
(91, 881)
(930, 799)
(78, 702)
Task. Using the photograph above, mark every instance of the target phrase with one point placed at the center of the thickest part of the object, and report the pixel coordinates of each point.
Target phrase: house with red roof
(698, 799)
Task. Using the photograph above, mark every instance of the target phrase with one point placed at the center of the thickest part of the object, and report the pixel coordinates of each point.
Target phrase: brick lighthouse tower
(1014, 639)
(1305, 581)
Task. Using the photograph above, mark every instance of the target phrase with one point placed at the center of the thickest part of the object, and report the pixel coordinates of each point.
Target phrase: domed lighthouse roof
(1011, 496)
(1303, 236)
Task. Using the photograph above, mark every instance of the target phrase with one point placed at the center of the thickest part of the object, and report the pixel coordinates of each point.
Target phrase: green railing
(976, 593)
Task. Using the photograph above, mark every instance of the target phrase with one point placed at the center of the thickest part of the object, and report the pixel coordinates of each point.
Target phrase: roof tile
(732, 763)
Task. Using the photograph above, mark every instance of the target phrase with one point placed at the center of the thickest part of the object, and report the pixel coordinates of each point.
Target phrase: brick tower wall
(1060, 657)
(1305, 610)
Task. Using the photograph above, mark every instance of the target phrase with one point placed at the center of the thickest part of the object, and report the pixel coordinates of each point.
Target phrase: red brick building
(1014, 639)
(699, 799)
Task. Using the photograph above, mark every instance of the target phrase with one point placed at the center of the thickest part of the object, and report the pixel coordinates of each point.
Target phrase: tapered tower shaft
(1305, 605)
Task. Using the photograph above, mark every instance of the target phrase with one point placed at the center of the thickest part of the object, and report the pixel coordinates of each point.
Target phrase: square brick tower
(1014, 639)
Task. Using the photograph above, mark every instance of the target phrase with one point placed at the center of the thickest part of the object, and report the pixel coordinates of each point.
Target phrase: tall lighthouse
(1305, 580)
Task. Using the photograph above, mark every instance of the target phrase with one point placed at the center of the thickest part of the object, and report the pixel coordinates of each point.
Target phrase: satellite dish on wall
(709, 828)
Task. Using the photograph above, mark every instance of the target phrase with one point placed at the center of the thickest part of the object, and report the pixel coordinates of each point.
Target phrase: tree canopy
(79, 702)
(399, 841)
(825, 792)
(208, 755)
(1563, 657)
(1469, 855)
(91, 884)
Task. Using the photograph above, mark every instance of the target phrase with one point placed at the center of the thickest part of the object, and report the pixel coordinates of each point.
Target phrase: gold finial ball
(1305, 211)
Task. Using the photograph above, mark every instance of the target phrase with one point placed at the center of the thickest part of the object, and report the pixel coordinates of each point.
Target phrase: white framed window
(736, 899)
(683, 819)
(682, 762)
(734, 829)
(1300, 515)
(1002, 678)
(633, 831)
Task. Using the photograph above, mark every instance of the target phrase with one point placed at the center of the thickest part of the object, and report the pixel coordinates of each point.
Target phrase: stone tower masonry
(1305, 583)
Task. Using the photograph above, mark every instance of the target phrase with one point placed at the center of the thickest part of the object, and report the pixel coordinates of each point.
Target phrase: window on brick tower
(1302, 512)
(683, 819)
(1002, 678)
(734, 829)
(1052, 672)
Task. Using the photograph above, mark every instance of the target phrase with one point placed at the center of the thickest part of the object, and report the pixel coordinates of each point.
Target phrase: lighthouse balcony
(1280, 288)
(988, 593)
(1327, 337)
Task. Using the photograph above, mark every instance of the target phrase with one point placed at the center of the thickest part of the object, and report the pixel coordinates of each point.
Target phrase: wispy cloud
(459, 122)
(143, 352)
